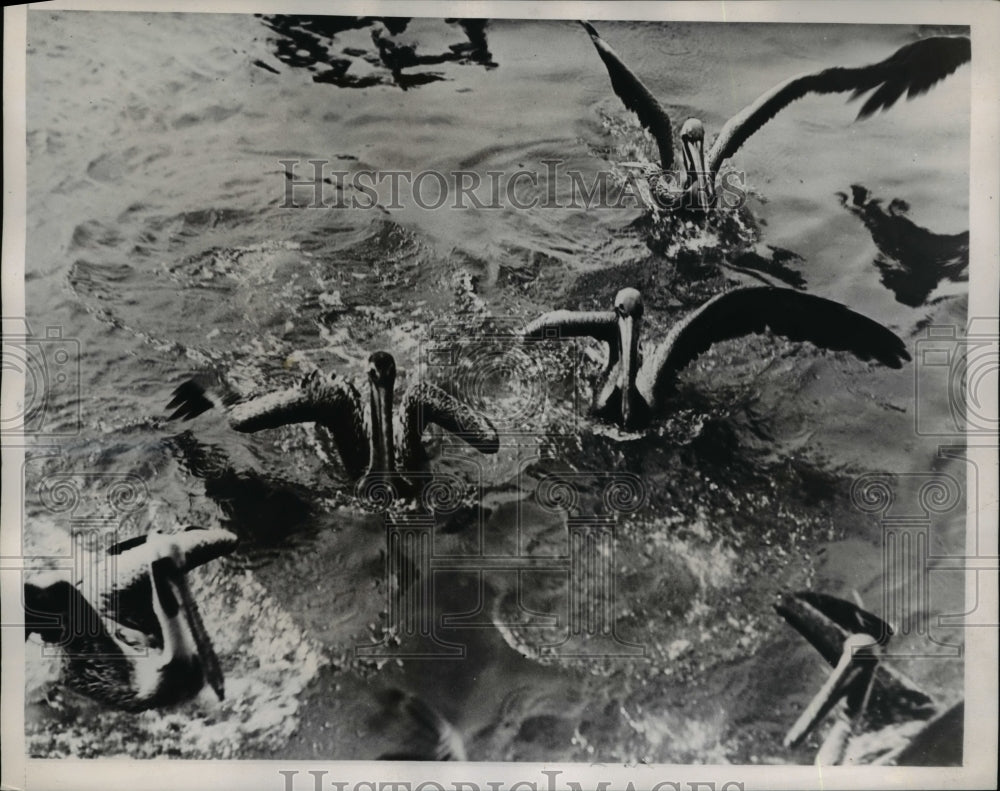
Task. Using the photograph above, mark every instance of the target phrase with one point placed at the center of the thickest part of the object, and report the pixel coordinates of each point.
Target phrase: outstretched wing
(636, 97)
(425, 403)
(196, 546)
(327, 400)
(913, 68)
(826, 621)
(317, 398)
(48, 609)
(848, 615)
(786, 312)
(601, 325)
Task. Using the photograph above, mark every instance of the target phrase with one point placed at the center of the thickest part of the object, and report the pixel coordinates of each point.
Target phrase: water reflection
(912, 260)
(309, 42)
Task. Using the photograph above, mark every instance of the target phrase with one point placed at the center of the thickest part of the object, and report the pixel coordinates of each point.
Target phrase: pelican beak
(856, 666)
(630, 351)
(177, 602)
(699, 180)
(382, 446)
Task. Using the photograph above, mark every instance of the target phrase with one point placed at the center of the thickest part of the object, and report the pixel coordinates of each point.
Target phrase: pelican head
(382, 376)
(696, 176)
(628, 307)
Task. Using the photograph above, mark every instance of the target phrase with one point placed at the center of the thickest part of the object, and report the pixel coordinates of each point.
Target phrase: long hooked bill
(206, 653)
(381, 399)
(694, 155)
(626, 326)
(847, 672)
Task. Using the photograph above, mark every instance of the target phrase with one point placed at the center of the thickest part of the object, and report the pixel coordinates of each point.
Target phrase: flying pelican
(636, 385)
(333, 403)
(913, 68)
(877, 699)
(131, 631)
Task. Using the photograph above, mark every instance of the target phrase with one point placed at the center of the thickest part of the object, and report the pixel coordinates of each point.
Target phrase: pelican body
(138, 643)
(389, 444)
(912, 69)
(875, 695)
(637, 383)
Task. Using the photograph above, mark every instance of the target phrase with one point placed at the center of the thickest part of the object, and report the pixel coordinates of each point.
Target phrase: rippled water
(160, 241)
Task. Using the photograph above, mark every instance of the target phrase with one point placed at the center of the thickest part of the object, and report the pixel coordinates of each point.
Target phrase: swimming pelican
(334, 404)
(636, 385)
(913, 68)
(136, 642)
(880, 704)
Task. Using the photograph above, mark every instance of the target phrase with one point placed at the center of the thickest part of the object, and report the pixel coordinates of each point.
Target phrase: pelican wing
(328, 400)
(786, 312)
(913, 68)
(48, 606)
(636, 97)
(196, 546)
(938, 744)
(425, 403)
(848, 615)
(557, 324)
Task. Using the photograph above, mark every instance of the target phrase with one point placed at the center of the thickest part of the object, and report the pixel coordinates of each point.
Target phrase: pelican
(636, 385)
(333, 404)
(880, 703)
(913, 68)
(131, 632)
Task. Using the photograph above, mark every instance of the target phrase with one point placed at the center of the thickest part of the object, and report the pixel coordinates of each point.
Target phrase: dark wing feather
(425, 403)
(636, 97)
(189, 400)
(938, 744)
(47, 610)
(913, 68)
(786, 312)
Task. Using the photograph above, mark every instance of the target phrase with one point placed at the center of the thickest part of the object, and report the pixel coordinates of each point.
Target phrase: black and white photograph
(500, 395)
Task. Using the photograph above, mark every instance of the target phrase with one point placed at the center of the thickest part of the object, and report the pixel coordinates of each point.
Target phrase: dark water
(158, 240)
